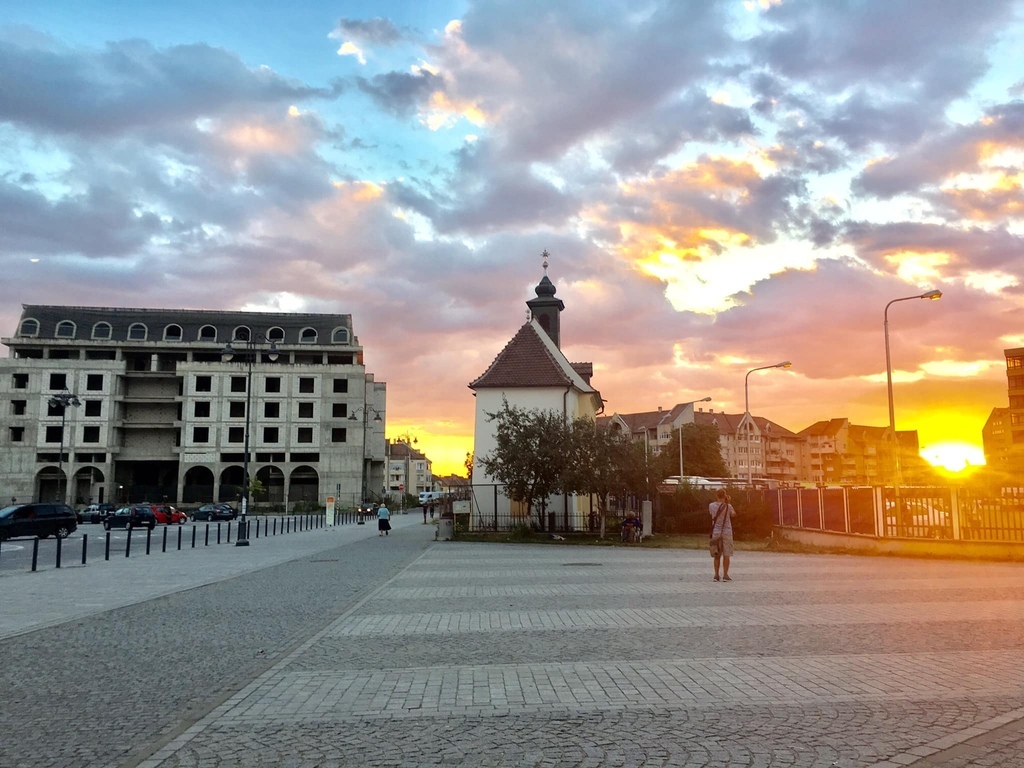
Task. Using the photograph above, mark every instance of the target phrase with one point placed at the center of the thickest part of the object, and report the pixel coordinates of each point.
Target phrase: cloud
(378, 31)
(401, 93)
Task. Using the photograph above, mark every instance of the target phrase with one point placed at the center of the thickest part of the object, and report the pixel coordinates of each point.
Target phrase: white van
(428, 497)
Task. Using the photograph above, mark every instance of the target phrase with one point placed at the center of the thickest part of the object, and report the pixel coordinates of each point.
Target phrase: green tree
(702, 453)
(530, 456)
(596, 461)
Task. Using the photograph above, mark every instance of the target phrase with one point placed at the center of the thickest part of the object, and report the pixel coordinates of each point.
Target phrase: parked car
(168, 515)
(135, 516)
(95, 513)
(921, 517)
(37, 519)
(215, 512)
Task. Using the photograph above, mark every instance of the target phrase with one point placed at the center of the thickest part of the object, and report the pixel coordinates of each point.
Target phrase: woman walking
(383, 521)
(722, 513)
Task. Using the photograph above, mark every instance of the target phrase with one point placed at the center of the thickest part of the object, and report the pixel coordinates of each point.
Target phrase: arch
(65, 329)
(304, 485)
(102, 330)
(198, 487)
(272, 479)
(307, 336)
(241, 333)
(85, 486)
(207, 333)
(138, 332)
(339, 336)
(51, 482)
(232, 480)
(275, 334)
(173, 332)
(29, 327)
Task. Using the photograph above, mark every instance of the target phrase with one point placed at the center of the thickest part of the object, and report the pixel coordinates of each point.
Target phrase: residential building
(655, 429)
(532, 373)
(997, 439)
(163, 415)
(409, 470)
(1004, 445)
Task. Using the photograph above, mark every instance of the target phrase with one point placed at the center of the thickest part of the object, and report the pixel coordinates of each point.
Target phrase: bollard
(128, 544)
(229, 530)
(218, 533)
(275, 526)
(35, 553)
(265, 523)
(106, 549)
(179, 538)
(163, 546)
(149, 535)
(257, 528)
(193, 537)
(85, 546)
(60, 541)
(288, 525)
(207, 542)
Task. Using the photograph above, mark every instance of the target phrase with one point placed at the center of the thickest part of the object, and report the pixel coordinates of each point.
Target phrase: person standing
(424, 513)
(383, 520)
(722, 513)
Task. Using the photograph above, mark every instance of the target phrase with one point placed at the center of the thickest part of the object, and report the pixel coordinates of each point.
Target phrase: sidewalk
(31, 601)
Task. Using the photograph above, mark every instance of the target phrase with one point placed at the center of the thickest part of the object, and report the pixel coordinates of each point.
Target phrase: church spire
(546, 308)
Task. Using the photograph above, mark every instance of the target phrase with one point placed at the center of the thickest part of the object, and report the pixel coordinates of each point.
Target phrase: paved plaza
(352, 650)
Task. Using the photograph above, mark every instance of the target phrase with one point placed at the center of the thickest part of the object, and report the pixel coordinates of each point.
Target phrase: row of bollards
(288, 525)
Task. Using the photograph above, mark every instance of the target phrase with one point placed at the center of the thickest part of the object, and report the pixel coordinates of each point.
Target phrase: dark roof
(829, 428)
(526, 361)
(190, 321)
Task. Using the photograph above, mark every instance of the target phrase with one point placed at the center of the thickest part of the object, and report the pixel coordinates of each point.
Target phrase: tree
(530, 456)
(596, 461)
(702, 453)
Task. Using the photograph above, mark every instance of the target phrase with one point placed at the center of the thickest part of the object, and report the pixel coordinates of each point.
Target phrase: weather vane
(544, 255)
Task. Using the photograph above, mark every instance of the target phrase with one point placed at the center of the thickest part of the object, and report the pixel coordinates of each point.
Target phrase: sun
(953, 457)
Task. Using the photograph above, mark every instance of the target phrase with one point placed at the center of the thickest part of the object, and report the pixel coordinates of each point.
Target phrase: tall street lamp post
(702, 400)
(227, 355)
(63, 400)
(746, 411)
(933, 294)
(354, 416)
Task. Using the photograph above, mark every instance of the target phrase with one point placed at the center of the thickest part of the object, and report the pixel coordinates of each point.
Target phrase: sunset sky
(721, 185)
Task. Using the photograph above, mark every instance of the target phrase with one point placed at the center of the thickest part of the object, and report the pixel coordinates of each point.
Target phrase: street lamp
(702, 400)
(366, 423)
(227, 355)
(746, 411)
(933, 294)
(62, 400)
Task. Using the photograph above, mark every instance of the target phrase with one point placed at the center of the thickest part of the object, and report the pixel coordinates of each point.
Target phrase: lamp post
(227, 355)
(362, 464)
(932, 295)
(746, 411)
(62, 400)
(702, 400)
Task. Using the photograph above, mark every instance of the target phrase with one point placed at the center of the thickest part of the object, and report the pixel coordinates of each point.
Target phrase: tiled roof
(728, 423)
(530, 361)
(828, 428)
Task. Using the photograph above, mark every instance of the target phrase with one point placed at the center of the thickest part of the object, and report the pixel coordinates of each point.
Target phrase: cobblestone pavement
(404, 652)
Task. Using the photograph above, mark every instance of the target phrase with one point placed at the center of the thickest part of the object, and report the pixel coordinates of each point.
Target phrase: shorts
(722, 547)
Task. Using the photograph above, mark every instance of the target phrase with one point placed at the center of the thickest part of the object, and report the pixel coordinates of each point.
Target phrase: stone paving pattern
(405, 652)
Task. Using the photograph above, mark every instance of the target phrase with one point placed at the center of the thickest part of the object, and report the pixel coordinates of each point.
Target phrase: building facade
(165, 413)
(409, 470)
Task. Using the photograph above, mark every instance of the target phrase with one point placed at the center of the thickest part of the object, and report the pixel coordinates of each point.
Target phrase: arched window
(276, 334)
(172, 333)
(339, 336)
(101, 331)
(207, 333)
(65, 330)
(242, 333)
(308, 336)
(137, 332)
(29, 327)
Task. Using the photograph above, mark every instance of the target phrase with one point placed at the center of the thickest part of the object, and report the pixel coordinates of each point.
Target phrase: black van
(37, 519)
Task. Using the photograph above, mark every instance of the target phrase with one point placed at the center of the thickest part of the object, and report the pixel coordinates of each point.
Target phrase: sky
(720, 186)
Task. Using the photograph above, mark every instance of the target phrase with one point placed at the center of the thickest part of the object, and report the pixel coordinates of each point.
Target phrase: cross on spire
(544, 256)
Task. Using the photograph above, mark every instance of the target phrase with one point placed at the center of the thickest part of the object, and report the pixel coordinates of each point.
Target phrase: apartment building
(409, 470)
(166, 412)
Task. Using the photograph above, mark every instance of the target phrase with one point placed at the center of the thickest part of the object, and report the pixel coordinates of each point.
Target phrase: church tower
(545, 309)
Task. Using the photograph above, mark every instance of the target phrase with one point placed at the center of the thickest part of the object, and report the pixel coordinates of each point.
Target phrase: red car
(165, 514)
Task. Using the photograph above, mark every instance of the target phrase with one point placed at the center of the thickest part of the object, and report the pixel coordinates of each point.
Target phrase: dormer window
(275, 334)
(137, 332)
(308, 336)
(241, 333)
(207, 333)
(339, 336)
(29, 327)
(172, 333)
(101, 331)
(65, 330)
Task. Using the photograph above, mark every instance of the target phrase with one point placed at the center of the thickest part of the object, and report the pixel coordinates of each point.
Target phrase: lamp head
(377, 418)
(227, 354)
(784, 364)
(352, 417)
(704, 400)
(933, 294)
(273, 353)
